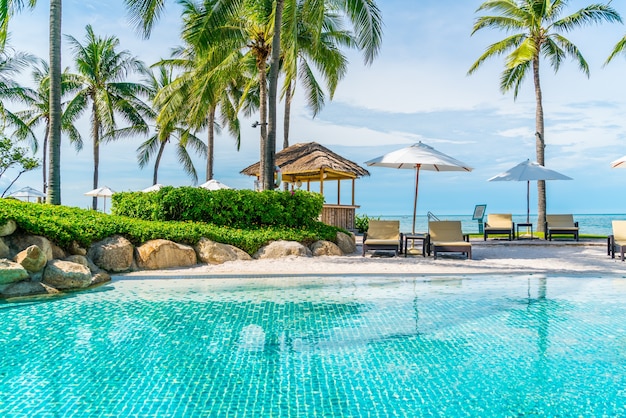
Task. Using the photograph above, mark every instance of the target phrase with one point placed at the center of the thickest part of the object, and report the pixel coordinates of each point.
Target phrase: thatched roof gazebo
(312, 162)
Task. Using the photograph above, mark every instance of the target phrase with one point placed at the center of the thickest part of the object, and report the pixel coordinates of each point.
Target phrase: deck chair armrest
(466, 237)
(610, 244)
(401, 243)
(364, 236)
(576, 224)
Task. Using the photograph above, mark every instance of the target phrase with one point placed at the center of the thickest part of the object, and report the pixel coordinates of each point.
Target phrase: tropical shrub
(226, 207)
(62, 225)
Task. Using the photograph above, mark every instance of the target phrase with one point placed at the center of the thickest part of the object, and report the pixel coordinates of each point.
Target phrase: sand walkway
(587, 257)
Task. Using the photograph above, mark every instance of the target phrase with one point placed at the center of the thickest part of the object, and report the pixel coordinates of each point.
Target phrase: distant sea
(588, 224)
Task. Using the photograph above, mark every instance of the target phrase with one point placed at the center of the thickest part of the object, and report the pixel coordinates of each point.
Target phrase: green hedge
(226, 207)
(62, 225)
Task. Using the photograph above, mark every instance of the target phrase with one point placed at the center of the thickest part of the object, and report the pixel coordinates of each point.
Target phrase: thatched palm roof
(311, 162)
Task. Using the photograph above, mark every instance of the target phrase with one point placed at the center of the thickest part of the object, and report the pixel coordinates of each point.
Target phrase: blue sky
(416, 90)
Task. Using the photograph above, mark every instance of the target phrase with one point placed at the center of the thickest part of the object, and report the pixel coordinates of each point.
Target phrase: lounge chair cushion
(562, 225)
(499, 223)
(618, 239)
(383, 235)
(447, 236)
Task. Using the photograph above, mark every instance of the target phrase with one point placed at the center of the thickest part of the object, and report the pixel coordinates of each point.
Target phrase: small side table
(525, 225)
(414, 237)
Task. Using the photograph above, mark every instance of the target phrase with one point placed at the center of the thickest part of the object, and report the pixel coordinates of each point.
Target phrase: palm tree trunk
(157, 161)
(210, 144)
(262, 67)
(287, 120)
(54, 177)
(270, 149)
(540, 146)
(96, 154)
(45, 157)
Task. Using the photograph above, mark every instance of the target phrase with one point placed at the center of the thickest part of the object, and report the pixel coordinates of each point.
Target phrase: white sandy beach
(587, 257)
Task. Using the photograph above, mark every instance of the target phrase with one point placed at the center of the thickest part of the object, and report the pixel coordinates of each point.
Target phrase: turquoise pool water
(320, 347)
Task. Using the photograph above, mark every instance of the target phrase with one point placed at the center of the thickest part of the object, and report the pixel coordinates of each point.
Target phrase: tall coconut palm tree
(143, 12)
(254, 27)
(307, 51)
(38, 112)
(154, 146)
(206, 89)
(538, 27)
(103, 73)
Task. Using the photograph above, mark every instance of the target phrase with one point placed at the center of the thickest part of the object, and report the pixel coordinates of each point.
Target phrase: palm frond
(619, 48)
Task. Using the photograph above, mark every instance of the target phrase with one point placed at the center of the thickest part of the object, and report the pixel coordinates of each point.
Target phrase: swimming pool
(320, 346)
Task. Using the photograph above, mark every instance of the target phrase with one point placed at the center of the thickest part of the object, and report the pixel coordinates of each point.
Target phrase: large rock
(76, 249)
(11, 272)
(32, 259)
(346, 243)
(84, 261)
(98, 275)
(212, 252)
(319, 248)
(63, 275)
(28, 289)
(161, 254)
(7, 228)
(101, 277)
(5, 252)
(19, 242)
(112, 254)
(278, 249)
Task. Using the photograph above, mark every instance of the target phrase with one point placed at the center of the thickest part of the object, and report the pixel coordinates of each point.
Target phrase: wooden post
(352, 192)
(322, 182)
(338, 192)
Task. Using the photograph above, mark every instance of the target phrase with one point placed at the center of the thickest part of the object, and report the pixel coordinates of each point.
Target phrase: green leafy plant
(362, 222)
(63, 225)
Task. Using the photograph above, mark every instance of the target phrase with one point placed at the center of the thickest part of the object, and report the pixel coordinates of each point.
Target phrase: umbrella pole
(417, 178)
(528, 202)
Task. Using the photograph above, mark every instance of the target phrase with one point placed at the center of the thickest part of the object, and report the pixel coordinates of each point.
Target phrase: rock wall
(32, 265)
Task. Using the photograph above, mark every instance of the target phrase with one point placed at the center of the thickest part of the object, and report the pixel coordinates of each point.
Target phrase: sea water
(588, 224)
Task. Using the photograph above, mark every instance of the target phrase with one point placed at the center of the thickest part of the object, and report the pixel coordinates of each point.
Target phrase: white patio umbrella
(529, 171)
(418, 157)
(153, 188)
(27, 193)
(213, 185)
(104, 192)
(619, 163)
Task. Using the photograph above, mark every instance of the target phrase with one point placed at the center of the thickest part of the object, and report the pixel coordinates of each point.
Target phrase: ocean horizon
(592, 224)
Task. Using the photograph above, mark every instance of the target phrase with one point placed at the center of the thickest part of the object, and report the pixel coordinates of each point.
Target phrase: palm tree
(143, 12)
(254, 28)
(538, 26)
(204, 90)
(103, 72)
(166, 129)
(38, 112)
(304, 50)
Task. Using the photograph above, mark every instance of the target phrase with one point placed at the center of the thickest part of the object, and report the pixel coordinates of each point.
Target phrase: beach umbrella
(153, 188)
(103, 192)
(27, 193)
(418, 157)
(529, 171)
(213, 185)
(619, 163)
